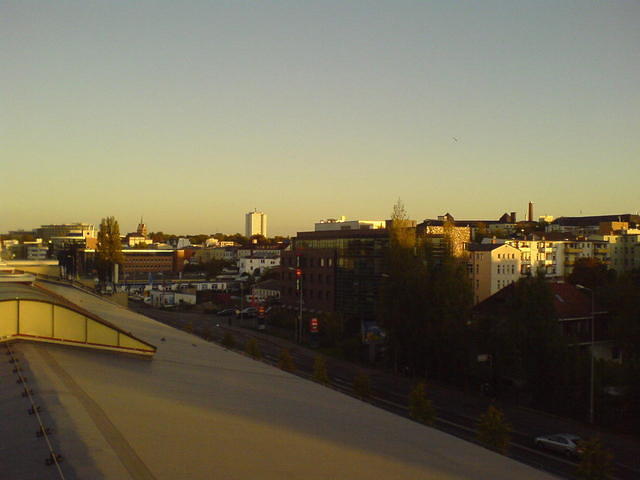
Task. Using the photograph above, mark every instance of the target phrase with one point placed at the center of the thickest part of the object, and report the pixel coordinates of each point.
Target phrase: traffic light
(298, 272)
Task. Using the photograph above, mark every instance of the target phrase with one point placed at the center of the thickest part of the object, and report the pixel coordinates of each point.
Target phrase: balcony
(573, 250)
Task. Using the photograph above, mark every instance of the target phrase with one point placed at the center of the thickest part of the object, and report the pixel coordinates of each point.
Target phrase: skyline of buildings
(259, 220)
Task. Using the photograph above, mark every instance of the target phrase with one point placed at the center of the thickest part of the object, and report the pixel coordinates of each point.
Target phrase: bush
(420, 407)
(596, 461)
(252, 348)
(362, 385)
(286, 361)
(206, 333)
(493, 430)
(228, 340)
(320, 370)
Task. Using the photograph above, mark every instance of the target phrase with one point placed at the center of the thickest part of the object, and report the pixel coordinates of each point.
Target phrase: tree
(595, 463)
(109, 249)
(624, 305)
(362, 385)
(198, 239)
(424, 303)
(493, 430)
(286, 361)
(228, 340)
(253, 349)
(590, 272)
(533, 329)
(320, 370)
(258, 239)
(420, 407)
(331, 329)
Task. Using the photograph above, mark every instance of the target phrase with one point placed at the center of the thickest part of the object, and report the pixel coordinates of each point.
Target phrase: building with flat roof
(341, 271)
(65, 230)
(343, 224)
(255, 224)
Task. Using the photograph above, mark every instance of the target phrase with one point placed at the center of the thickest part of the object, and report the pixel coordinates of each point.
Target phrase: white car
(564, 443)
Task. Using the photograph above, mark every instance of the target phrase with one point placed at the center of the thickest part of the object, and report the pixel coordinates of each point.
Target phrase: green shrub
(362, 385)
(320, 370)
(228, 340)
(420, 407)
(493, 430)
(286, 361)
(252, 348)
(596, 461)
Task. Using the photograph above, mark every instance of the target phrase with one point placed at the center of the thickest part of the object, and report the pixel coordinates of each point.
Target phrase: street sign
(313, 325)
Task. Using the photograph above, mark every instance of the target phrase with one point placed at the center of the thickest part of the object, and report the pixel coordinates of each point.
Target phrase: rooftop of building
(568, 301)
(595, 220)
(198, 410)
(484, 247)
(328, 234)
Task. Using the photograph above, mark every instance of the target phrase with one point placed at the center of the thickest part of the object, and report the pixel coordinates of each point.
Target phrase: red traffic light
(298, 272)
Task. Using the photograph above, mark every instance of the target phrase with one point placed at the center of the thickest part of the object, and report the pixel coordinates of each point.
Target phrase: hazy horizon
(194, 113)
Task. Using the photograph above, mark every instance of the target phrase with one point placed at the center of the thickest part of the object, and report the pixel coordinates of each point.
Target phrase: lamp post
(593, 326)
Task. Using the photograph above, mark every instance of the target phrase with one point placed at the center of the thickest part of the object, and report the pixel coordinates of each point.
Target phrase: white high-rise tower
(255, 224)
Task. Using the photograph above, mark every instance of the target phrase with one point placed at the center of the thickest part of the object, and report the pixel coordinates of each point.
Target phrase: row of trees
(492, 429)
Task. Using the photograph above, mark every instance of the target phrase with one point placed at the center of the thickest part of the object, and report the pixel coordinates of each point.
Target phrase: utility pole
(593, 338)
(299, 288)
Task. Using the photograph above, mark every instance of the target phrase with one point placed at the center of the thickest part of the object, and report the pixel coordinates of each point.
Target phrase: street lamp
(593, 326)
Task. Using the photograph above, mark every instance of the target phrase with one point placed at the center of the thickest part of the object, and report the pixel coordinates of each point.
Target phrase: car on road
(226, 312)
(248, 312)
(567, 444)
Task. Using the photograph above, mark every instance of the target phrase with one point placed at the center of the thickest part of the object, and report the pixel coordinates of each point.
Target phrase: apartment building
(492, 267)
(251, 264)
(255, 224)
(558, 257)
(624, 250)
(443, 235)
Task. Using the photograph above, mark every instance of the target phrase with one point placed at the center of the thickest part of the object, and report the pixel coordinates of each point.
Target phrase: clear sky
(193, 113)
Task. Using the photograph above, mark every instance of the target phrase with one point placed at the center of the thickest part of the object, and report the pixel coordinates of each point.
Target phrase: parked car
(567, 444)
(226, 312)
(248, 312)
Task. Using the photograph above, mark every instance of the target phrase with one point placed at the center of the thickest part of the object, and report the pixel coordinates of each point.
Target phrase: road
(457, 411)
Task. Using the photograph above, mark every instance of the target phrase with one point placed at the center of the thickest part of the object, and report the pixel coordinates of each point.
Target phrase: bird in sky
(454, 139)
